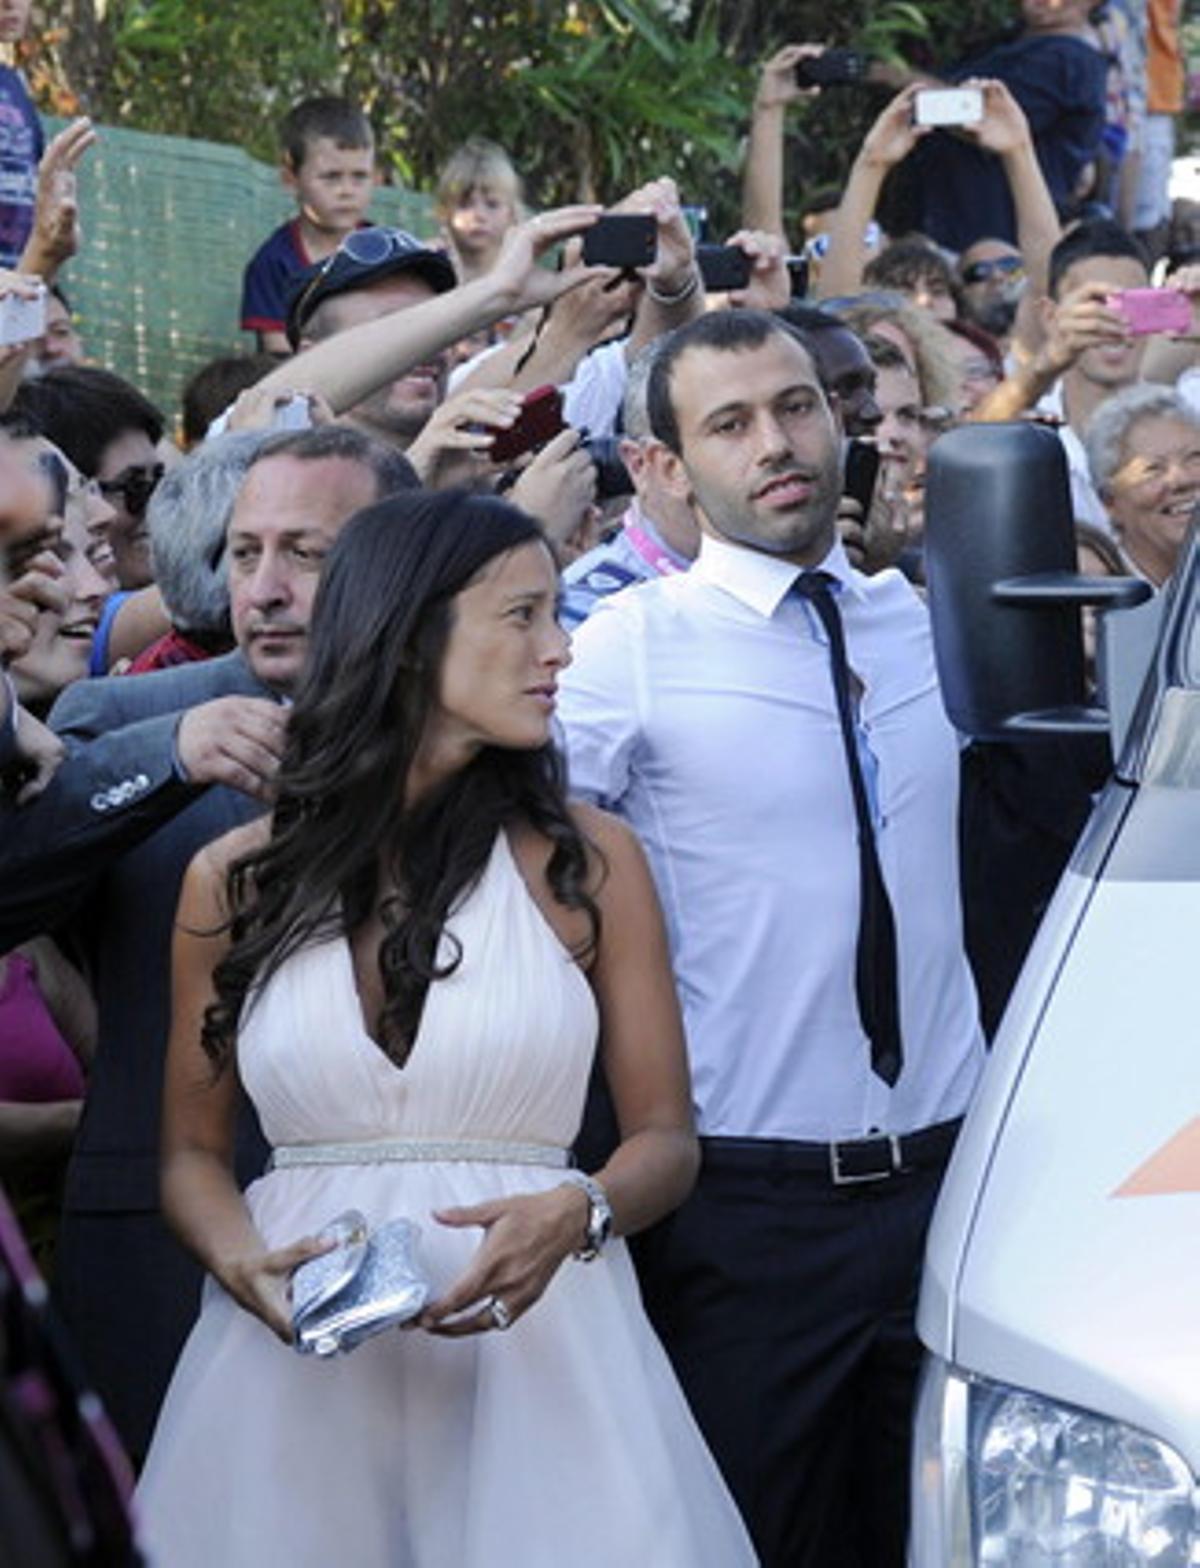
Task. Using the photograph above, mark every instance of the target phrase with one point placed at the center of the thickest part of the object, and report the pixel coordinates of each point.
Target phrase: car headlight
(1006, 1476)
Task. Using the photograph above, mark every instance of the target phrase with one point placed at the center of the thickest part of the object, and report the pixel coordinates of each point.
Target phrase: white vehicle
(1059, 1418)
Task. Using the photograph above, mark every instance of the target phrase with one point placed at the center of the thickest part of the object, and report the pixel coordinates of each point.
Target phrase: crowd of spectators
(158, 578)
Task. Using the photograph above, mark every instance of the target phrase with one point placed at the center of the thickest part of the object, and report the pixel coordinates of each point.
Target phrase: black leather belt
(848, 1163)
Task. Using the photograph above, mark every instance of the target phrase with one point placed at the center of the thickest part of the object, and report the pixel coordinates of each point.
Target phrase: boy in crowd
(21, 142)
(329, 163)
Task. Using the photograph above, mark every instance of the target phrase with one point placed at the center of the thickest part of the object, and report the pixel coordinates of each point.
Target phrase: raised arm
(200, 1195)
(762, 172)
(54, 238)
(889, 141)
(1004, 130)
(1081, 320)
(1168, 355)
(674, 292)
(349, 366)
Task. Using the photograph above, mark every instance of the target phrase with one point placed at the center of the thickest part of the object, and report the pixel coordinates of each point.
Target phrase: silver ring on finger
(500, 1315)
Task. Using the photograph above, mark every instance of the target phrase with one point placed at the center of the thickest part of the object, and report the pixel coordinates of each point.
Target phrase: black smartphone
(621, 239)
(723, 267)
(860, 472)
(540, 420)
(833, 68)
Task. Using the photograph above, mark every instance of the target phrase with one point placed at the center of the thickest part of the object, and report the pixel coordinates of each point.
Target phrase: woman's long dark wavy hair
(341, 828)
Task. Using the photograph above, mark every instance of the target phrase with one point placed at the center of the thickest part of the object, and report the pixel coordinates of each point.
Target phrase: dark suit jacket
(104, 851)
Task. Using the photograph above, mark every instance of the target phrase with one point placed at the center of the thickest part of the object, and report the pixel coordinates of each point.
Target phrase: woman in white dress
(409, 968)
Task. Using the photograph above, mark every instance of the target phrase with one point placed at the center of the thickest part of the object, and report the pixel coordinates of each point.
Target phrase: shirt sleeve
(592, 398)
(600, 706)
(263, 288)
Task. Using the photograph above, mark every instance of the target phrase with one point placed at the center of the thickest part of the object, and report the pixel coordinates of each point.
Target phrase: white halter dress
(565, 1440)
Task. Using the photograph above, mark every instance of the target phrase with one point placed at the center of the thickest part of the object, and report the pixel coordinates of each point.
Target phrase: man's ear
(632, 455)
(287, 174)
(674, 475)
(1047, 310)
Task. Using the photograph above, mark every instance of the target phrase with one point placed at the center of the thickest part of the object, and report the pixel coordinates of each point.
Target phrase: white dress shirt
(701, 708)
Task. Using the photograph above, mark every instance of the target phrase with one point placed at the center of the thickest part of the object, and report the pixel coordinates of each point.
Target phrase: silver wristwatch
(599, 1225)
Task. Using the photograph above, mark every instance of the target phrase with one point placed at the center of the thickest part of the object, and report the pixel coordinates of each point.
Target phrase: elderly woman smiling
(1143, 448)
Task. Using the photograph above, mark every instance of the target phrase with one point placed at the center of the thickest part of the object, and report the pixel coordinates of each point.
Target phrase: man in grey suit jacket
(157, 766)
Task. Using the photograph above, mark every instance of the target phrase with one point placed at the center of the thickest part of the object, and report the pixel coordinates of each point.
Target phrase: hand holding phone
(948, 106)
(1153, 310)
(723, 267)
(860, 472)
(621, 239)
(23, 318)
(540, 420)
(832, 68)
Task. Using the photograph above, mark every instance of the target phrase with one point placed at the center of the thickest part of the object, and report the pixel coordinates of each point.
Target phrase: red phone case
(539, 421)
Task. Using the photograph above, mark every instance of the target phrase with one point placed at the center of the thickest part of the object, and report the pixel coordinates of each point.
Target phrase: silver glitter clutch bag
(369, 1282)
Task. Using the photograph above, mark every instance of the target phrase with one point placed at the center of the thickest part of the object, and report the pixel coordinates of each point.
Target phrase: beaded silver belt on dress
(460, 1150)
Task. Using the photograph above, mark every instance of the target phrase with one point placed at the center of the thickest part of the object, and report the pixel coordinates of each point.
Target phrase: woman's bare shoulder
(207, 878)
(614, 847)
(216, 858)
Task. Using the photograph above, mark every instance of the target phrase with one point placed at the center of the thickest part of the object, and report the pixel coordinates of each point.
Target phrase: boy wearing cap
(328, 162)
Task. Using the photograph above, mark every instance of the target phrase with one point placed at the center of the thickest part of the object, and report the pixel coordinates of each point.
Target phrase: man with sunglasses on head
(372, 322)
(374, 273)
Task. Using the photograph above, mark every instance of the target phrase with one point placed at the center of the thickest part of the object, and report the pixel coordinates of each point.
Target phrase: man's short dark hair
(726, 331)
(803, 318)
(83, 409)
(392, 470)
(341, 121)
(1101, 237)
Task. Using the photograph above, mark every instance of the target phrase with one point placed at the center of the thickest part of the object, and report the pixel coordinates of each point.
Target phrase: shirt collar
(762, 581)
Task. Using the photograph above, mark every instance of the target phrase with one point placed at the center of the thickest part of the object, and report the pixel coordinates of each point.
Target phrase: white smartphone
(22, 320)
(295, 413)
(948, 106)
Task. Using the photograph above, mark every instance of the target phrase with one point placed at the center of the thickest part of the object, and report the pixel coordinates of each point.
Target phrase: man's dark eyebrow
(810, 387)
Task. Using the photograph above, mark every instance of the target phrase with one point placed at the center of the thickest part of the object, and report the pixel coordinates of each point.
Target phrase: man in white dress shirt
(703, 708)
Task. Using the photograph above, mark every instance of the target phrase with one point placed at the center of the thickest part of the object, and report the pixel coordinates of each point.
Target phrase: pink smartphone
(1154, 310)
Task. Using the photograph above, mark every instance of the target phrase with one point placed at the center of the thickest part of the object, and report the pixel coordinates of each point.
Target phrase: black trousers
(786, 1305)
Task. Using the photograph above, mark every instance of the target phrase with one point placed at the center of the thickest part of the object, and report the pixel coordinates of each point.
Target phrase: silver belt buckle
(841, 1178)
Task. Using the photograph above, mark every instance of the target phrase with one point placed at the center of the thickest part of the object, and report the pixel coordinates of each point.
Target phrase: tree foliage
(590, 96)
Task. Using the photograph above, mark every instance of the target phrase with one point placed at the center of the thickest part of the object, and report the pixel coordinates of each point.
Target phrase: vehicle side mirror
(1004, 592)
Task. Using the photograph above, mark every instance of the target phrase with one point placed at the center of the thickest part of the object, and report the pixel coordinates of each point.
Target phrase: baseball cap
(364, 257)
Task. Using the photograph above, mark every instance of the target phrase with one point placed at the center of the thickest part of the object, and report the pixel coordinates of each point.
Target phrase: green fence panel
(168, 226)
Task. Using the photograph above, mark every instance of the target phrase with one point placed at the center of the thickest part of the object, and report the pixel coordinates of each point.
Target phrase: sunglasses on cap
(368, 248)
(1003, 266)
(135, 486)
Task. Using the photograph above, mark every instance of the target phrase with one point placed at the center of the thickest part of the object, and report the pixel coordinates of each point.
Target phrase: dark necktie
(875, 973)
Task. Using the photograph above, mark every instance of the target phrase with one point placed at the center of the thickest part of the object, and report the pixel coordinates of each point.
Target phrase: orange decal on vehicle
(1173, 1168)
